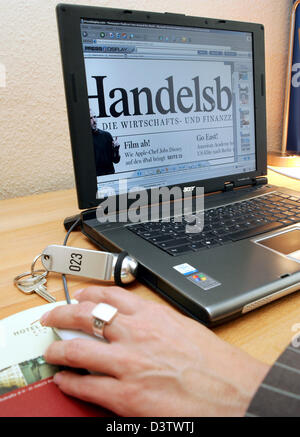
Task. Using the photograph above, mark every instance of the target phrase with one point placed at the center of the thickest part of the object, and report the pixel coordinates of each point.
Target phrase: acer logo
(188, 189)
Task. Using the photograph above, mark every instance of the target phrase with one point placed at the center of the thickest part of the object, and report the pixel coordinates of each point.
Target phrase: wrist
(250, 378)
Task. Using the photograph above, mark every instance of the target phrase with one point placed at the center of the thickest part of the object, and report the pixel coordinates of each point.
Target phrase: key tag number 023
(120, 269)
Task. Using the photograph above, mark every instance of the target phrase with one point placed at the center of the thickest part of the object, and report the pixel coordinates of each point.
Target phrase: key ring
(35, 275)
(35, 279)
(33, 264)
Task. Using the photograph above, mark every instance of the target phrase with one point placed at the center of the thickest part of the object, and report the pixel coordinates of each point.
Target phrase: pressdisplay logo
(163, 203)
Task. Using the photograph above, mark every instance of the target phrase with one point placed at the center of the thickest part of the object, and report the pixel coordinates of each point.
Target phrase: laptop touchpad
(286, 243)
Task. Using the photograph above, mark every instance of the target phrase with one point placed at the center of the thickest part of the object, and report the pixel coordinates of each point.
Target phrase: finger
(92, 355)
(79, 316)
(101, 390)
(124, 300)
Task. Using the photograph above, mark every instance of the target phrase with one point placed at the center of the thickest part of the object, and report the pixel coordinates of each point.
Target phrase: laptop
(162, 100)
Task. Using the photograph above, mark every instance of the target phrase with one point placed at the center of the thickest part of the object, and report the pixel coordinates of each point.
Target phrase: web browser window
(168, 104)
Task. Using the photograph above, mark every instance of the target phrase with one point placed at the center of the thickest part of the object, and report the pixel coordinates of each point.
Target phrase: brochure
(26, 379)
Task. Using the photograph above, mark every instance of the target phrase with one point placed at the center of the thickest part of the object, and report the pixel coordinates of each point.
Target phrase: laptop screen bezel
(69, 18)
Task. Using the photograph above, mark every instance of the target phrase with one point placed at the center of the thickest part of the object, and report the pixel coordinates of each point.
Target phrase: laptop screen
(168, 104)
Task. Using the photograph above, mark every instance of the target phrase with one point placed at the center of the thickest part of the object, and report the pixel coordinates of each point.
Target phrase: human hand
(116, 143)
(157, 362)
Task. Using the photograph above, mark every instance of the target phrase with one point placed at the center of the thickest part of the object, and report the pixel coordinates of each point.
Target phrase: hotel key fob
(120, 269)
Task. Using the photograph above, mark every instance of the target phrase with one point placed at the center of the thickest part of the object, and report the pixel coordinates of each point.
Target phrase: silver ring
(34, 279)
(103, 314)
(33, 265)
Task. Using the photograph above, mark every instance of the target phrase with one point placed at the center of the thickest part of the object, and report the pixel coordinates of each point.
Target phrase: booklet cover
(26, 379)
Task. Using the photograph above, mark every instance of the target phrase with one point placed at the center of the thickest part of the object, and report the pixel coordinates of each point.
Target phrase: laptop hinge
(260, 180)
(228, 186)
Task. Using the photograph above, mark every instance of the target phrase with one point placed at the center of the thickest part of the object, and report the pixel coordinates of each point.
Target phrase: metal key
(38, 288)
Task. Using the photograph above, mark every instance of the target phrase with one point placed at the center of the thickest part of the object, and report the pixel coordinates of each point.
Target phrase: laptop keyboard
(224, 224)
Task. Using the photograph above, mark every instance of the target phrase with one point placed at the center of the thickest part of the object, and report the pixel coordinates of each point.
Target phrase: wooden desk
(29, 224)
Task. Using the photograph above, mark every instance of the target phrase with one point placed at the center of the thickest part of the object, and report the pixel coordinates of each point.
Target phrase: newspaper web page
(168, 105)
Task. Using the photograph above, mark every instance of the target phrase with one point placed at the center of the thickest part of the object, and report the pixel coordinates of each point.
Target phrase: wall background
(35, 148)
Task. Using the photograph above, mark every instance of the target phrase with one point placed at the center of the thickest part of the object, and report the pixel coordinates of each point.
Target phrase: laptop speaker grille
(263, 301)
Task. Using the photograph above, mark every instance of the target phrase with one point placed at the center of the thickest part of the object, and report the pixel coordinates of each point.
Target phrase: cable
(67, 294)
